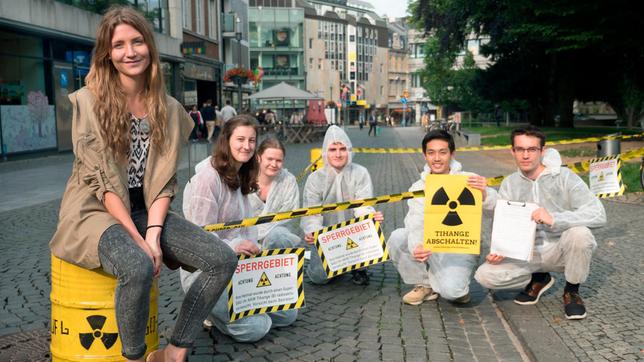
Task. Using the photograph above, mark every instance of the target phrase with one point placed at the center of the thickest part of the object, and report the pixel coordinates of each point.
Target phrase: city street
(341, 321)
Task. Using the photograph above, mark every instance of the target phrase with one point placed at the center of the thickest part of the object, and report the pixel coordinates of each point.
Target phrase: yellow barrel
(316, 154)
(83, 322)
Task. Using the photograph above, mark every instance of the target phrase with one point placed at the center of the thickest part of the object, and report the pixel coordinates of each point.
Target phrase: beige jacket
(83, 217)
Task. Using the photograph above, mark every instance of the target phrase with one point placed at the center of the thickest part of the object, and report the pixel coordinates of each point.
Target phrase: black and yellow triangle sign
(351, 244)
(263, 281)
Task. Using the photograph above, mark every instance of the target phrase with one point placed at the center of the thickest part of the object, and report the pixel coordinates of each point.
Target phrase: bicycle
(642, 173)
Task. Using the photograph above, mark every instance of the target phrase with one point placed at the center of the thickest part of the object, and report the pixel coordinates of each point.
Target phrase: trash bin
(608, 147)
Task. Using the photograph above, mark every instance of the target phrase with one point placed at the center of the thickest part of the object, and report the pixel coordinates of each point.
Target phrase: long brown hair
(103, 81)
(222, 160)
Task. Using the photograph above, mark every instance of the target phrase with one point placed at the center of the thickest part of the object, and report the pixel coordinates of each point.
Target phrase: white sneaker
(419, 294)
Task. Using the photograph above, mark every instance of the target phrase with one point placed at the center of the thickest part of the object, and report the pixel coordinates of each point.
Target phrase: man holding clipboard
(563, 241)
(447, 274)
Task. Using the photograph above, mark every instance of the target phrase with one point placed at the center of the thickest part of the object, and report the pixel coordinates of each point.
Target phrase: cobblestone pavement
(344, 322)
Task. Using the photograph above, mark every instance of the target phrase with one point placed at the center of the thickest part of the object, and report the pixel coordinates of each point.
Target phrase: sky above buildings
(391, 8)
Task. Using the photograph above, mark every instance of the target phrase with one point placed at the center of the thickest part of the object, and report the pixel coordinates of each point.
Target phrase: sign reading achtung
(351, 245)
(268, 282)
(452, 215)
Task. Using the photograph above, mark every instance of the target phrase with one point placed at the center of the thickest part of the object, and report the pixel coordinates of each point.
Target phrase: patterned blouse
(139, 144)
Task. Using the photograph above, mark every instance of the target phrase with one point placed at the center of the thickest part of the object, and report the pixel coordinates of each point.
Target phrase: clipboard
(513, 230)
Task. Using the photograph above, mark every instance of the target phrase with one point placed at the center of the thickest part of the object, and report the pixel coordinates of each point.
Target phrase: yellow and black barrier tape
(315, 210)
(577, 167)
(581, 166)
(488, 148)
(306, 170)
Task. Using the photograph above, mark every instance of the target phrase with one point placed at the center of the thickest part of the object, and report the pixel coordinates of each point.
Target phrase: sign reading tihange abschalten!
(351, 245)
(453, 214)
(268, 282)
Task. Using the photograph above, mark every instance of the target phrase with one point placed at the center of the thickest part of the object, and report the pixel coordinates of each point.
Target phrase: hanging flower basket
(239, 75)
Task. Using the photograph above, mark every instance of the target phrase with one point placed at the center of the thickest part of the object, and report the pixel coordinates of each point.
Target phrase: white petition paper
(513, 229)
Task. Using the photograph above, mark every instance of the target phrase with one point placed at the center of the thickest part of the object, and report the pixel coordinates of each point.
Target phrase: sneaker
(419, 294)
(360, 277)
(462, 300)
(574, 306)
(533, 291)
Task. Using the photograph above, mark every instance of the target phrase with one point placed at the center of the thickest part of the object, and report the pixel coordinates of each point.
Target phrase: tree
(448, 85)
(550, 49)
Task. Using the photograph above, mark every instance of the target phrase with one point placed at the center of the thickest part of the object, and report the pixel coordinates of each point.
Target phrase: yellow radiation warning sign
(263, 281)
(453, 214)
(351, 244)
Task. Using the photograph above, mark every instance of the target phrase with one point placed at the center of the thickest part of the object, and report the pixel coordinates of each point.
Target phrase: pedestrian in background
(227, 112)
(127, 136)
(373, 123)
(199, 129)
(209, 116)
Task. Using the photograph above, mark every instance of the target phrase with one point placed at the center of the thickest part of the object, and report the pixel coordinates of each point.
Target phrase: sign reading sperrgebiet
(605, 177)
(453, 214)
(268, 282)
(351, 245)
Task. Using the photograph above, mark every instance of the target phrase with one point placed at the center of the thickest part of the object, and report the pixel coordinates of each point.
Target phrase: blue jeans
(182, 243)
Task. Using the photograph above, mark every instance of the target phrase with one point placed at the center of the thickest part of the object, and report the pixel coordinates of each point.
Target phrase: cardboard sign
(351, 245)
(268, 282)
(453, 214)
(605, 176)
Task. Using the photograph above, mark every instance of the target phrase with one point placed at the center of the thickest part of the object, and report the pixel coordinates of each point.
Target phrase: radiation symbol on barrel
(96, 322)
(441, 198)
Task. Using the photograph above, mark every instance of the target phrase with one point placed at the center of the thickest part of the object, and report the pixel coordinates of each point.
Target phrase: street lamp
(238, 36)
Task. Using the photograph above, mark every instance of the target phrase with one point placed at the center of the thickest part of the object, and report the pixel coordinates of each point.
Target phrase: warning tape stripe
(577, 167)
(582, 166)
(487, 148)
(315, 210)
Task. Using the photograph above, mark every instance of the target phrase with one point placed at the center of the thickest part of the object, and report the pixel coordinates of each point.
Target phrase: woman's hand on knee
(152, 240)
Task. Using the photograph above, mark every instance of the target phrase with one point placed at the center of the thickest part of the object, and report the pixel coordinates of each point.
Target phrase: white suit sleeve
(200, 199)
(312, 195)
(364, 190)
(200, 204)
(587, 210)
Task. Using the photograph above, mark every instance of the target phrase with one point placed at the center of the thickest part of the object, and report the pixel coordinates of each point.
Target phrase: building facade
(276, 38)
(46, 54)
(418, 98)
(346, 54)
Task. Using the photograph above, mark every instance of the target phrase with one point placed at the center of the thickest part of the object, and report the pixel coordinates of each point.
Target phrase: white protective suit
(565, 246)
(447, 274)
(284, 195)
(207, 200)
(328, 185)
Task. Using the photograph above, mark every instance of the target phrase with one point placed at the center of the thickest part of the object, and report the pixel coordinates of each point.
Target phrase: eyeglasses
(530, 150)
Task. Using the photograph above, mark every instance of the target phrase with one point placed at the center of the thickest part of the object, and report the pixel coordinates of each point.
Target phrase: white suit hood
(335, 134)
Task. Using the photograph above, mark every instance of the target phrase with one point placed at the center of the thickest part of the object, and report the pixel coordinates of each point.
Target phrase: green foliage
(545, 53)
(449, 86)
